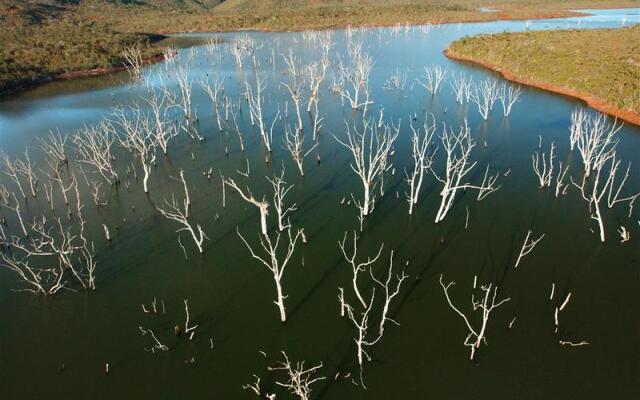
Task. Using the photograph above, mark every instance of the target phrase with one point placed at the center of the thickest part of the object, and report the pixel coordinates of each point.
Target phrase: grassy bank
(600, 66)
(44, 38)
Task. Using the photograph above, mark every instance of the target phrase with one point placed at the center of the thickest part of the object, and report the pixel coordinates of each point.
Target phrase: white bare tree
(299, 378)
(508, 96)
(354, 77)
(295, 86)
(162, 126)
(528, 246)
(391, 290)
(263, 205)
(294, 143)
(397, 81)
(133, 61)
(54, 147)
(485, 305)
(5, 201)
(315, 73)
(356, 266)
(215, 91)
(255, 99)
(458, 147)
(594, 189)
(51, 244)
(422, 159)
(485, 95)
(363, 338)
(461, 86)
(433, 78)
(370, 147)
(579, 119)
(280, 191)
(93, 146)
(12, 170)
(273, 263)
(175, 211)
(25, 168)
(544, 169)
(137, 138)
(242, 47)
(596, 141)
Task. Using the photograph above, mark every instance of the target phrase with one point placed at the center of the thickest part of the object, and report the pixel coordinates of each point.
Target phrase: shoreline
(549, 15)
(22, 86)
(591, 100)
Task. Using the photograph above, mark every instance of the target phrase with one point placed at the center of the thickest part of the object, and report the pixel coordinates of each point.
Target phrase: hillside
(600, 66)
(45, 38)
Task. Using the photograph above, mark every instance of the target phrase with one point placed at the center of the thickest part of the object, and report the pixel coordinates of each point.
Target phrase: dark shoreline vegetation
(577, 63)
(345, 212)
(49, 39)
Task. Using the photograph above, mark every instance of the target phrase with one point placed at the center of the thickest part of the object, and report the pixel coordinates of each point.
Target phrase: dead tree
(486, 305)
(326, 44)
(594, 189)
(558, 309)
(596, 141)
(176, 212)
(163, 127)
(255, 100)
(397, 81)
(579, 119)
(527, 246)
(133, 61)
(485, 96)
(263, 205)
(54, 147)
(5, 198)
(391, 290)
(242, 47)
(561, 186)
(354, 77)
(214, 91)
(508, 96)
(93, 146)
(422, 160)
(185, 86)
(363, 340)
(280, 190)
(54, 174)
(315, 74)
(12, 171)
(294, 143)
(357, 267)
(458, 149)
(72, 252)
(294, 87)
(25, 168)
(370, 148)
(299, 378)
(461, 86)
(189, 331)
(544, 169)
(433, 78)
(273, 264)
(137, 138)
(157, 345)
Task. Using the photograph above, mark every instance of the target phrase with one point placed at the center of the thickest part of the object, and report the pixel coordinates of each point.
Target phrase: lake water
(57, 346)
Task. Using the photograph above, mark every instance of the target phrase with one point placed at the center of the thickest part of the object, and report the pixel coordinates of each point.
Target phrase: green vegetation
(604, 63)
(41, 41)
(43, 38)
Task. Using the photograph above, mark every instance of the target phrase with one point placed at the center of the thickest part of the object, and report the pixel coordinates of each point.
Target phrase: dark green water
(230, 295)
